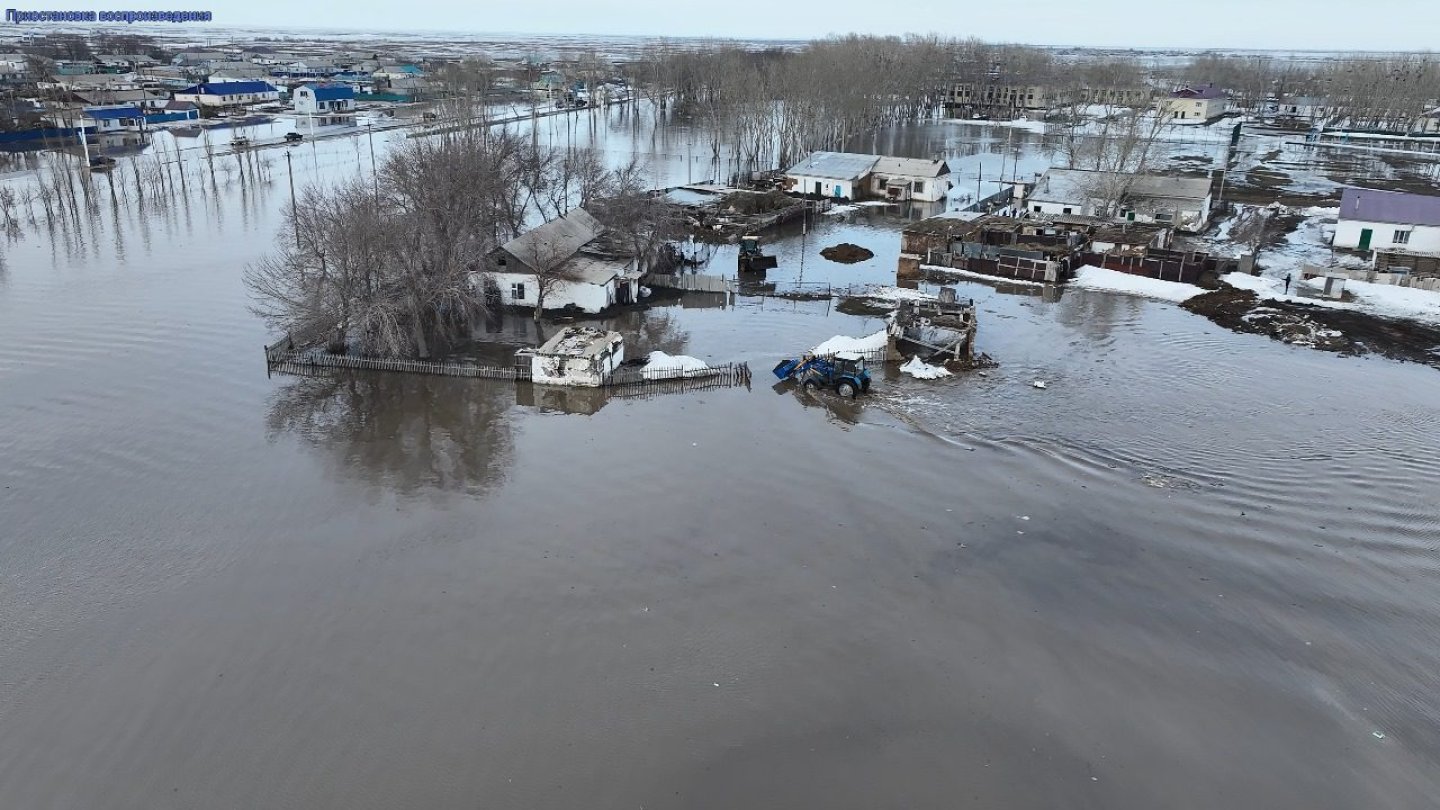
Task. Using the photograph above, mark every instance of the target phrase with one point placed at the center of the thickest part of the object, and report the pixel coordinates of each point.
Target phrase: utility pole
(294, 213)
(979, 173)
(374, 170)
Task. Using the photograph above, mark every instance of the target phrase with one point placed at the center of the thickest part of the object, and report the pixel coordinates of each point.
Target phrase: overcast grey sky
(1278, 24)
(1289, 24)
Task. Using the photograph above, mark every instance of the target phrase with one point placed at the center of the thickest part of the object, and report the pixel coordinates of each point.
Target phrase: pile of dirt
(1334, 330)
(847, 253)
(746, 202)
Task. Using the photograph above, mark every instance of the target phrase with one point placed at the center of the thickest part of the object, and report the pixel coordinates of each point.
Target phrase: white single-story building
(1194, 105)
(553, 255)
(838, 175)
(228, 94)
(324, 99)
(1181, 202)
(577, 355)
(910, 179)
(1379, 220)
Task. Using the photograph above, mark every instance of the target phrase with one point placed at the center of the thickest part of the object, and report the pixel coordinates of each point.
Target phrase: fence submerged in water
(286, 358)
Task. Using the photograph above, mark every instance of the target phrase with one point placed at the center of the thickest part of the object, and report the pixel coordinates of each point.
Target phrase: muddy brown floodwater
(1198, 570)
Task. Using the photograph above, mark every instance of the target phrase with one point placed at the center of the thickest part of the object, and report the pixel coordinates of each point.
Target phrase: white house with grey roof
(853, 176)
(1388, 220)
(563, 255)
(1181, 202)
(838, 175)
(895, 178)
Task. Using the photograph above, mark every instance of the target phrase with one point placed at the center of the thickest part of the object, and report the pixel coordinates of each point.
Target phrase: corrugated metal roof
(911, 167)
(1394, 207)
(835, 165)
(556, 240)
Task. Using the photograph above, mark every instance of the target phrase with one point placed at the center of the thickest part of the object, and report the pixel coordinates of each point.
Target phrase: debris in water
(1039, 384)
(1378, 735)
(921, 370)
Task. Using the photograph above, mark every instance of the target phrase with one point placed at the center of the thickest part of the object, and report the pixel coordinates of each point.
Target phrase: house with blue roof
(324, 99)
(113, 118)
(228, 94)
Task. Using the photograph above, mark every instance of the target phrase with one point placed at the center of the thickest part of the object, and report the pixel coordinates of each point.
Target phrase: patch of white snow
(921, 370)
(1098, 278)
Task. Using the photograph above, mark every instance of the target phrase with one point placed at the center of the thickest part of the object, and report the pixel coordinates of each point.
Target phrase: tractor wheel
(846, 389)
(865, 385)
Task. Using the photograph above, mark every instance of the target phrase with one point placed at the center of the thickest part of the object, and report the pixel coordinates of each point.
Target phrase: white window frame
(517, 291)
(1401, 237)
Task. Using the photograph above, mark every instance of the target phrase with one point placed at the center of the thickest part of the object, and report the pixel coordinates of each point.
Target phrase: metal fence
(689, 282)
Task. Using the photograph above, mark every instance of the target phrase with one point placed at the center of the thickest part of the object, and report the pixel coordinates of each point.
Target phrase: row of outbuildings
(130, 110)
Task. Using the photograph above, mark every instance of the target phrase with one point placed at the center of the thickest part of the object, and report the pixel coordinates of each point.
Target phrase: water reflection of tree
(403, 432)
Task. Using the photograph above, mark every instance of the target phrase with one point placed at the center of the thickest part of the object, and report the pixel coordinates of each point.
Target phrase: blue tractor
(845, 372)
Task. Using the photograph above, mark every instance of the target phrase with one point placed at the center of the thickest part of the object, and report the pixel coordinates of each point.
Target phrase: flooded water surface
(1197, 570)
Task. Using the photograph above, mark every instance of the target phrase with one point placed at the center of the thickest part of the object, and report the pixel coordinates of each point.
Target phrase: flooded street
(1201, 569)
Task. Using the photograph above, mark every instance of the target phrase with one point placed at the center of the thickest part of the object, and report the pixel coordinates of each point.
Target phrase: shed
(577, 355)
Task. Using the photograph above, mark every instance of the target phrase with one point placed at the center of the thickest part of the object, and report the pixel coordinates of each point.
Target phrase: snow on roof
(556, 240)
(911, 167)
(1396, 207)
(580, 341)
(835, 165)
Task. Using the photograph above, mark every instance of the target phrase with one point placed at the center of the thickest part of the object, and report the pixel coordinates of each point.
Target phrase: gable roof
(228, 88)
(331, 92)
(556, 240)
(104, 96)
(1394, 207)
(1075, 185)
(835, 165)
(1208, 91)
(912, 167)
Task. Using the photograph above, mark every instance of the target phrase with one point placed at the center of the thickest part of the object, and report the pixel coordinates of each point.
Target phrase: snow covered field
(1098, 278)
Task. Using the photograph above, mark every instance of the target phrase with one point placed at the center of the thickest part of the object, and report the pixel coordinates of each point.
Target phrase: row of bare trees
(770, 107)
